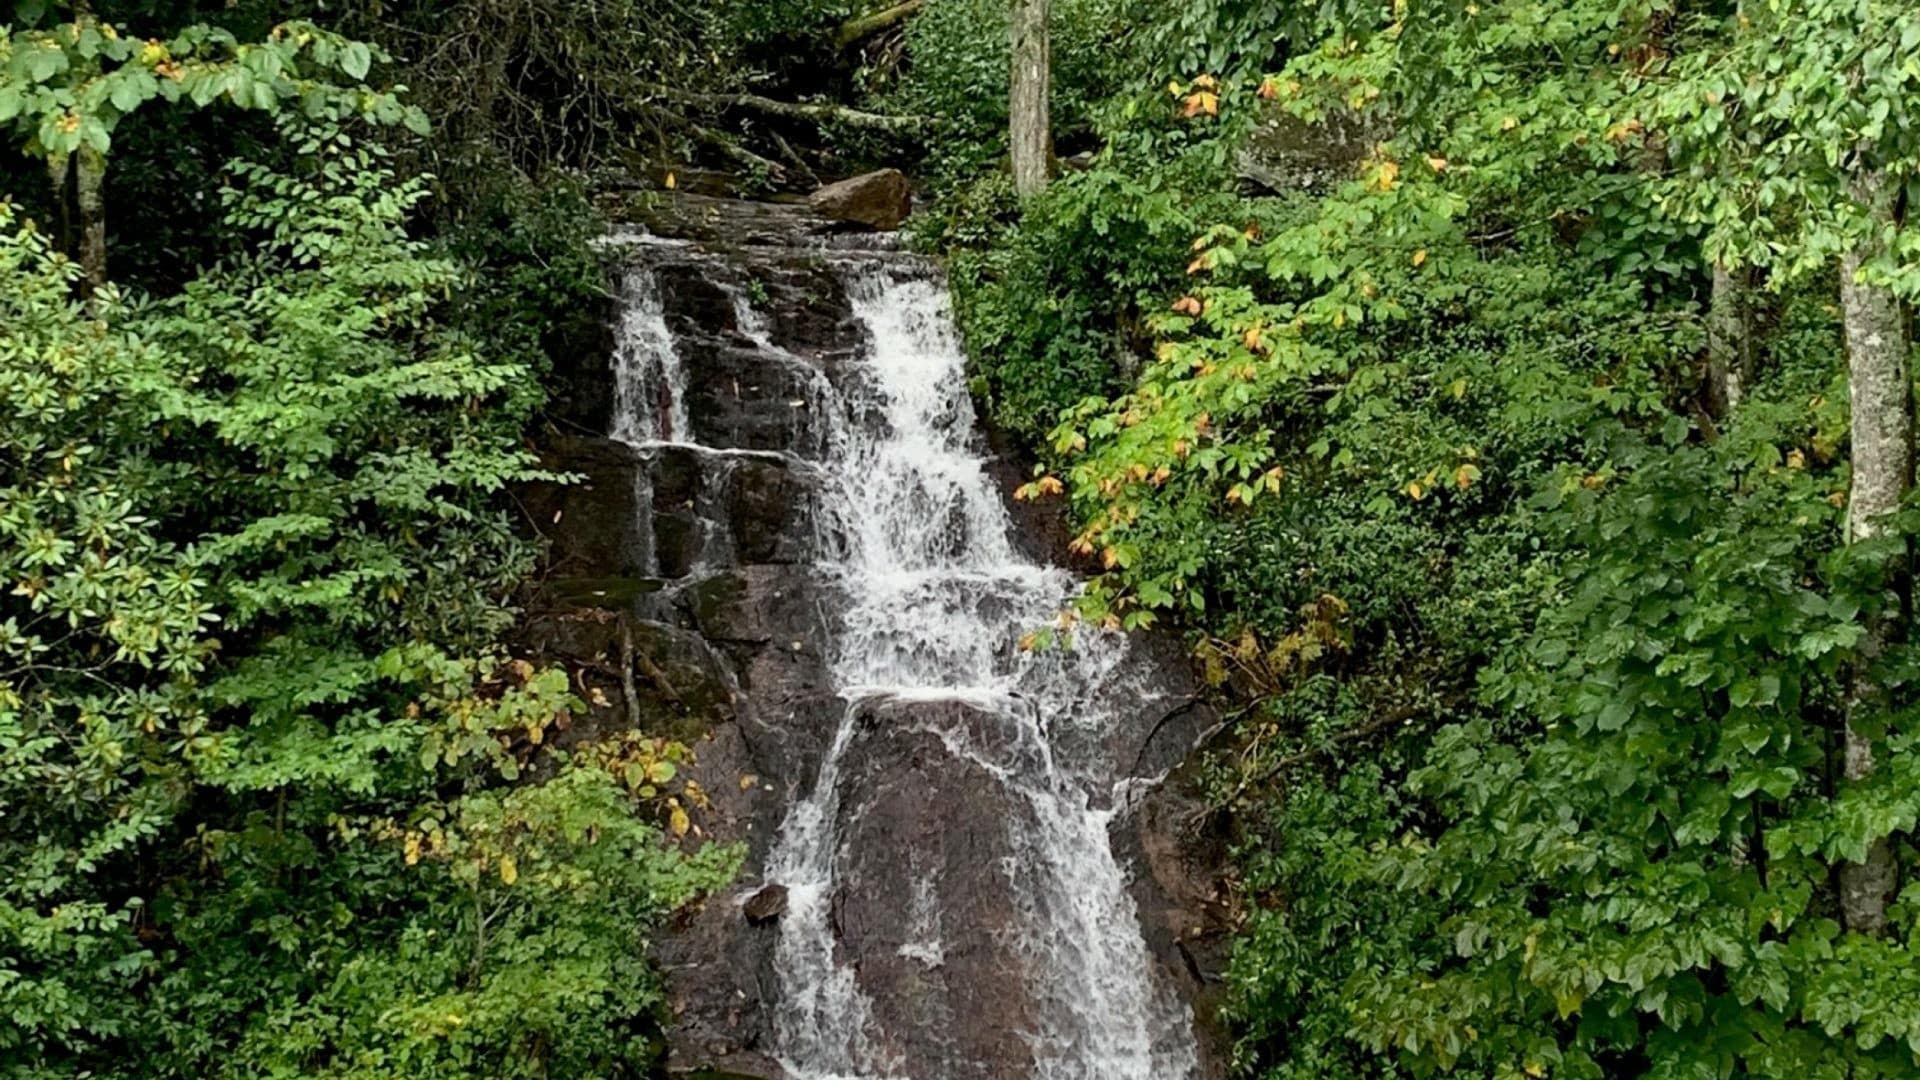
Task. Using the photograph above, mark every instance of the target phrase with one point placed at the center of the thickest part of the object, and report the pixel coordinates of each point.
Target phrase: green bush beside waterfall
(1379, 350)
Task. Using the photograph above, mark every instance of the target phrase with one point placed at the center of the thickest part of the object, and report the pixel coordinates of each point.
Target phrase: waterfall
(916, 541)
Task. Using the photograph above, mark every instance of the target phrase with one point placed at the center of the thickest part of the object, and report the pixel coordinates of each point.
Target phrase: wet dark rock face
(685, 573)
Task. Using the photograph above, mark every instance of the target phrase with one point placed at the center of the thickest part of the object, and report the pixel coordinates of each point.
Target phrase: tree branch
(790, 110)
(862, 26)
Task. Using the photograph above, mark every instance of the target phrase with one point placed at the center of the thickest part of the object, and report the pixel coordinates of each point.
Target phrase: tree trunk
(59, 177)
(1032, 139)
(1729, 341)
(90, 173)
(1881, 399)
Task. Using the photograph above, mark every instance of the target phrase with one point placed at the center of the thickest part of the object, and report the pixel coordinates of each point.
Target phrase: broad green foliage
(960, 64)
(253, 722)
(67, 88)
(1544, 668)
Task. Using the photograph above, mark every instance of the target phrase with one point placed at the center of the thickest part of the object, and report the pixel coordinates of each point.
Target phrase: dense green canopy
(1504, 398)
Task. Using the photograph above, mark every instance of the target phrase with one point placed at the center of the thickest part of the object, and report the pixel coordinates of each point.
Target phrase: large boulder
(878, 200)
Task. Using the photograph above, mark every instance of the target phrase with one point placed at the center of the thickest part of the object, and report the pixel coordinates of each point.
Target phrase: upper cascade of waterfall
(915, 537)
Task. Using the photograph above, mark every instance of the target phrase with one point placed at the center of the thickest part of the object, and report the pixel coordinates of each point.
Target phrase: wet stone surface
(798, 552)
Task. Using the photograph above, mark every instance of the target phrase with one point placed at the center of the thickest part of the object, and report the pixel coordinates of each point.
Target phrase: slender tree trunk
(1881, 399)
(59, 174)
(1729, 341)
(90, 174)
(1032, 139)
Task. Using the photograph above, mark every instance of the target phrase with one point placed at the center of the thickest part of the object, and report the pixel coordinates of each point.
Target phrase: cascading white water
(938, 597)
(648, 399)
(914, 534)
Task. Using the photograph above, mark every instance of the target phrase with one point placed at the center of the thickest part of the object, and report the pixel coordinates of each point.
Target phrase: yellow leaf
(678, 821)
(1796, 460)
(671, 182)
(748, 781)
(1384, 177)
(1414, 490)
(1205, 82)
(1534, 1068)
(1420, 258)
(509, 872)
(1436, 163)
(1509, 123)
(1174, 88)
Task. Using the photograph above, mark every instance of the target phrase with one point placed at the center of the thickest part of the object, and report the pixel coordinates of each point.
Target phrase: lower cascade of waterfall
(954, 907)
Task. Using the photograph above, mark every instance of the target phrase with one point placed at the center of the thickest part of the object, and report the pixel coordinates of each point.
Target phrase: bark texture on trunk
(1729, 340)
(1881, 400)
(90, 176)
(1032, 137)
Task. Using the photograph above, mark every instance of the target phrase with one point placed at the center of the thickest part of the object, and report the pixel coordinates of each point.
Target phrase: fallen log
(865, 26)
(792, 110)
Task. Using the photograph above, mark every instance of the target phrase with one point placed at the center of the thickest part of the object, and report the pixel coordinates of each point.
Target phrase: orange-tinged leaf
(1415, 491)
(1203, 101)
(1269, 89)
(1189, 305)
(1203, 262)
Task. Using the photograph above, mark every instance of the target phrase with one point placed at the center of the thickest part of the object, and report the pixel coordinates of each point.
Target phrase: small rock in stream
(767, 904)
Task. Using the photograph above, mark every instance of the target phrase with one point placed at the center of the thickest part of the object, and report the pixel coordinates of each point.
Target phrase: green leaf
(356, 61)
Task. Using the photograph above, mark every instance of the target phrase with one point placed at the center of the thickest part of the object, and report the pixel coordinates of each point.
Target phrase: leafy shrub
(253, 720)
